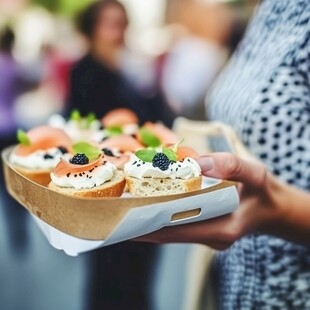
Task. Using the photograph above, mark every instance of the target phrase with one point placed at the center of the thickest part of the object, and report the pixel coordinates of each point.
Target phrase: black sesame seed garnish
(48, 156)
(138, 165)
(104, 162)
(91, 170)
(83, 173)
(80, 174)
(177, 169)
(107, 152)
(68, 174)
(63, 149)
(134, 162)
(90, 177)
(179, 166)
(75, 175)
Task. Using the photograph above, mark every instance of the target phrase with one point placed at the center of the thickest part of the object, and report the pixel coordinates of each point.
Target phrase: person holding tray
(264, 95)
(268, 205)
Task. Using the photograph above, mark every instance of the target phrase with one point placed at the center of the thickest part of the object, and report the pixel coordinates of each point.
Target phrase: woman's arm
(267, 206)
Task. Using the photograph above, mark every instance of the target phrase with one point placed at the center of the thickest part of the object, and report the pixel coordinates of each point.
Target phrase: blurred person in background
(105, 79)
(14, 81)
(110, 76)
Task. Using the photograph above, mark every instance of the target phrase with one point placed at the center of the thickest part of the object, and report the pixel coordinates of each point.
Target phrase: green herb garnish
(148, 138)
(114, 131)
(22, 137)
(89, 150)
(75, 115)
(146, 155)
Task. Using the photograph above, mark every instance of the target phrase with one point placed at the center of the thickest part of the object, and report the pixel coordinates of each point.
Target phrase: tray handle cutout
(185, 215)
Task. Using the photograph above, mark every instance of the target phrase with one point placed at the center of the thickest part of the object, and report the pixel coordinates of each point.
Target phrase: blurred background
(174, 48)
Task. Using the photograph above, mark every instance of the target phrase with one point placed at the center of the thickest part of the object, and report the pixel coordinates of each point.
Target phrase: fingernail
(206, 163)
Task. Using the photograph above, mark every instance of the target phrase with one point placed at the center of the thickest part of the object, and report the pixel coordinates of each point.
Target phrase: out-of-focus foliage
(64, 7)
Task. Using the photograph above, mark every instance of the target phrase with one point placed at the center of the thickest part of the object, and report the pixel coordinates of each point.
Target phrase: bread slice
(40, 176)
(160, 187)
(112, 188)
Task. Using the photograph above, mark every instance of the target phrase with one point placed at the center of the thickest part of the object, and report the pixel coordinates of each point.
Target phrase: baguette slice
(40, 176)
(161, 187)
(112, 188)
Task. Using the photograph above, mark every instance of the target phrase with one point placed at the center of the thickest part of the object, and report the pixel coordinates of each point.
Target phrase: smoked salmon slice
(186, 151)
(123, 143)
(119, 117)
(43, 138)
(165, 135)
(64, 167)
(119, 162)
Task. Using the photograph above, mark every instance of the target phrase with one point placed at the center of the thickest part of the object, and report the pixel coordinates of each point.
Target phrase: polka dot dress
(264, 93)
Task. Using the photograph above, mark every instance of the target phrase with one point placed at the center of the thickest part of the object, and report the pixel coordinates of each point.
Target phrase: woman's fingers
(229, 167)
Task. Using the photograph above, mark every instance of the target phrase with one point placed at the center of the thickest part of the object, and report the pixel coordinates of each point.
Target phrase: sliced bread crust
(112, 188)
(160, 187)
(40, 176)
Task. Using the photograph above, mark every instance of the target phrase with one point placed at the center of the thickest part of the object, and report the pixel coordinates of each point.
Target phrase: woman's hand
(260, 195)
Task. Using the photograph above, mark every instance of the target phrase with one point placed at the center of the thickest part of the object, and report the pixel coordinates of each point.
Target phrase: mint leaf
(89, 150)
(146, 155)
(114, 131)
(22, 137)
(148, 138)
(170, 154)
(75, 115)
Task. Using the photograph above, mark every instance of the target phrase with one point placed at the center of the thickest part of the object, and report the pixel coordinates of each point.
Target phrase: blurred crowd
(39, 48)
(158, 58)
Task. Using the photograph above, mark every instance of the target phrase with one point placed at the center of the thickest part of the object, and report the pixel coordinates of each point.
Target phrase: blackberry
(161, 161)
(107, 152)
(63, 150)
(79, 159)
(48, 156)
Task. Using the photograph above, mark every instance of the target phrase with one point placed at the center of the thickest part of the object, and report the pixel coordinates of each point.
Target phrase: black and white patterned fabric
(264, 93)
